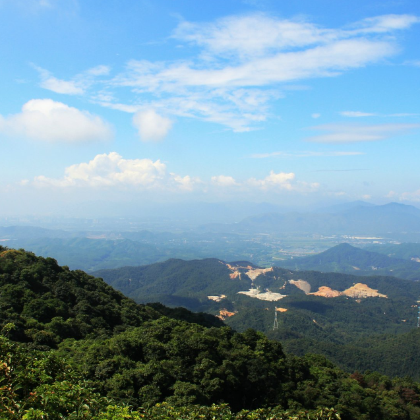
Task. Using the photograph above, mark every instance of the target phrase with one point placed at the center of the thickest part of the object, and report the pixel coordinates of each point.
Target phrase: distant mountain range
(345, 258)
(265, 240)
(406, 251)
(360, 219)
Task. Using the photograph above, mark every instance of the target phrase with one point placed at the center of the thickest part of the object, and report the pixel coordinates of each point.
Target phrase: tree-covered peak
(48, 303)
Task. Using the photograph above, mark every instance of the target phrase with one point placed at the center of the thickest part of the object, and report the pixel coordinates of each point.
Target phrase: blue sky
(182, 100)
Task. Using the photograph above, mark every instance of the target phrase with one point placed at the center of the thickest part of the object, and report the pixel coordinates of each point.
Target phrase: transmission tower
(276, 324)
(418, 314)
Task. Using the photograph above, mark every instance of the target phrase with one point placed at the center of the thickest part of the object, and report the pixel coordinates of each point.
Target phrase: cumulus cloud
(151, 126)
(47, 120)
(111, 170)
(272, 183)
(224, 181)
(413, 196)
(347, 133)
(282, 181)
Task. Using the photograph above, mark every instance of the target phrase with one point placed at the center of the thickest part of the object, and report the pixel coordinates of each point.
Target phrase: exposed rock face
(327, 292)
(224, 313)
(267, 295)
(217, 298)
(360, 290)
(253, 273)
(357, 291)
(302, 285)
(235, 273)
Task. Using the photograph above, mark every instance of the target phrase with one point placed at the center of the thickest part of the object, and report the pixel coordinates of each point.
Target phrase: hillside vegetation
(358, 322)
(84, 350)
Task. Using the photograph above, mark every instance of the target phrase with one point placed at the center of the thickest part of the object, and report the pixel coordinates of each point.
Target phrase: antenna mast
(418, 314)
(276, 324)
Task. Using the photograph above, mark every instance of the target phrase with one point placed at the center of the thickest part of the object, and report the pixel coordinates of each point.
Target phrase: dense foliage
(48, 303)
(40, 385)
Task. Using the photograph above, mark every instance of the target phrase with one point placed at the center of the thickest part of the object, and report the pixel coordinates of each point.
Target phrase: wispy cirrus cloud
(303, 154)
(77, 85)
(239, 65)
(361, 114)
(352, 133)
(357, 114)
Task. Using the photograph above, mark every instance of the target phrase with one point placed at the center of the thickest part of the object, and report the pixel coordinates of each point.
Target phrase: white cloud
(98, 71)
(224, 181)
(62, 86)
(315, 115)
(347, 133)
(258, 34)
(47, 120)
(385, 23)
(320, 61)
(111, 170)
(76, 86)
(282, 181)
(391, 194)
(251, 35)
(244, 63)
(357, 114)
(151, 126)
(413, 196)
(304, 154)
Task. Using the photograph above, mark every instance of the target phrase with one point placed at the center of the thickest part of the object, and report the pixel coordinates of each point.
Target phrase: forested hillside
(72, 347)
(316, 312)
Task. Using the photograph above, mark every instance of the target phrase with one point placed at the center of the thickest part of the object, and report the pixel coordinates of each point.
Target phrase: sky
(120, 104)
